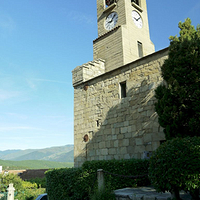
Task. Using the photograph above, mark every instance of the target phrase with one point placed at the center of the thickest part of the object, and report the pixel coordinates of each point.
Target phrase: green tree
(6, 179)
(174, 166)
(178, 98)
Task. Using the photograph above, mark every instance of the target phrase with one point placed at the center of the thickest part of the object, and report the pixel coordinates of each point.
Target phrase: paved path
(145, 193)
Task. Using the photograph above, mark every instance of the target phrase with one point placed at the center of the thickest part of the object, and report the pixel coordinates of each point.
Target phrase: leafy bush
(103, 194)
(41, 182)
(29, 185)
(175, 165)
(130, 167)
(78, 183)
(24, 190)
(6, 179)
(29, 194)
(68, 184)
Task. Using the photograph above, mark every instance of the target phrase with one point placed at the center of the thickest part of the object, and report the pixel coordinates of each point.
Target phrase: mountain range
(56, 154)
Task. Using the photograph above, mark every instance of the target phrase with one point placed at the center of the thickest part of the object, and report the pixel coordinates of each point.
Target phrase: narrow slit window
(98, 123)
(123, 90)
(140, 49)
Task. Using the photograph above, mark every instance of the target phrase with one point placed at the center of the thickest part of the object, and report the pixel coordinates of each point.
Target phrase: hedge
(79, 183)
(130, 167)
(68, 184)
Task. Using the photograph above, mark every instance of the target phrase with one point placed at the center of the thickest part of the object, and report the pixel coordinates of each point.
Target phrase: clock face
(137, 19)
(111, 21)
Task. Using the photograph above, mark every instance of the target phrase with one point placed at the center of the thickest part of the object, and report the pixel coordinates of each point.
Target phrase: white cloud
(17, 115)
(5, 95)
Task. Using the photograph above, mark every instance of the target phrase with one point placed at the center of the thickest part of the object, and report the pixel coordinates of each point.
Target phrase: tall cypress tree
(178, 98)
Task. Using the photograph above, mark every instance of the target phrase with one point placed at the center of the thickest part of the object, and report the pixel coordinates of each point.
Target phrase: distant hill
(33, 164)
(57, 154)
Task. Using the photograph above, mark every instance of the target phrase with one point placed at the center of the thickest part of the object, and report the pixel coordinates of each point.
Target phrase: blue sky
(41, 42)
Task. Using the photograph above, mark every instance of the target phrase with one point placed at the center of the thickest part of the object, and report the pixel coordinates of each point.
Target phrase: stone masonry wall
(116, 128)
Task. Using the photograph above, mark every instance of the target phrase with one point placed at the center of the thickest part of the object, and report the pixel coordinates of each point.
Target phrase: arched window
(109, 2)
(136, 2)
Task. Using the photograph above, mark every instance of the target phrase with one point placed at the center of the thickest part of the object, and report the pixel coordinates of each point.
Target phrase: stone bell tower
(114, 115)
(123, 32)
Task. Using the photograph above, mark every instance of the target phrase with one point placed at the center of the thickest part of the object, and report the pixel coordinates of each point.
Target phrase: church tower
(114, 113)
(123, 32)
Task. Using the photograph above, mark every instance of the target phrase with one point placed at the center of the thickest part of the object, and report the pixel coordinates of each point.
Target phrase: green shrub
(68, 184)
(30, 194)
(175, 165)
(104, 194)
(130, 167)
(78, 183)
(6, 179)
(41, 182)
(29, 185)
(24, 190)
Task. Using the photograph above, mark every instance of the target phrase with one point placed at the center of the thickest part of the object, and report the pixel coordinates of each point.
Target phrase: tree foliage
(178, 98)
(174, 166)
(6, 179)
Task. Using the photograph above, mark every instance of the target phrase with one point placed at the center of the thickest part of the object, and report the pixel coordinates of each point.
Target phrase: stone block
(112, 151)
(125, 142)
(114, 137)
(123, 150)
(91, 152)
(124, 129)
(101, 158)
(98, 152)
(127, 156)
(138, 141)
(104, 152)
(149, 197)
(149, 147)
(155, 145)
(132, 141)
(128, 135)
(133, 128)
(116, 131)
(147, 138)
(126, 123)
(116, 157)
(102, 145)
(108, 143)
(116, 143)
(120, 136)
(139, 149)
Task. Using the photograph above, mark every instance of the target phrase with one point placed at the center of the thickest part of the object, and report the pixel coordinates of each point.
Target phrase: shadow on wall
(119, 125)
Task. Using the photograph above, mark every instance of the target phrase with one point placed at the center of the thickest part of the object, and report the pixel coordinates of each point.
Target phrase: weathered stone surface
(146, 193)
(117, 128)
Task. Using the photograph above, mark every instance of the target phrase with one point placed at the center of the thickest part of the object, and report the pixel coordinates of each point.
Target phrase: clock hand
(113, 16)
(136, 19)
(112, 19)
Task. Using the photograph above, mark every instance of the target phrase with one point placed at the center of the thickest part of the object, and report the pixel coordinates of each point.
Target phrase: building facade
(114, 116)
